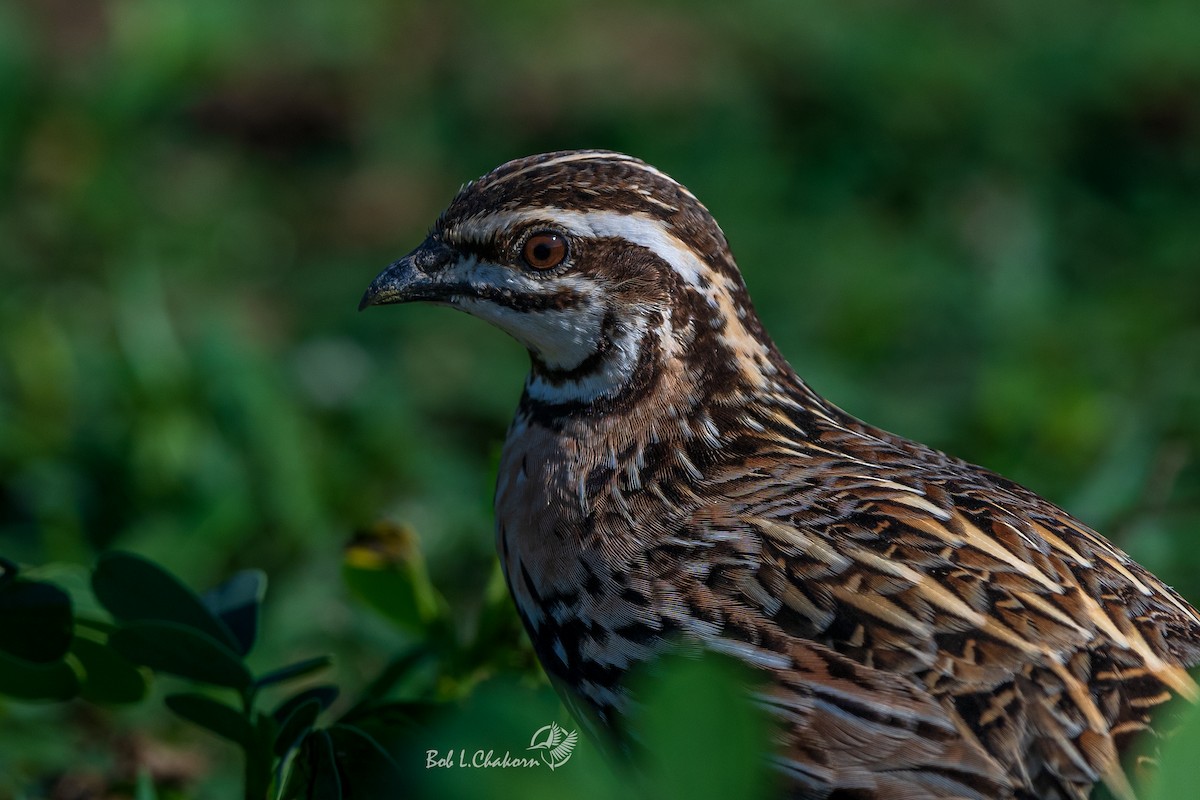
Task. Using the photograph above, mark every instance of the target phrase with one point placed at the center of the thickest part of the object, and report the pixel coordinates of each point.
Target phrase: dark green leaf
(366, 769)
(108, 678)
(324, 694)
(214, 716)
(237, 602)
(314, 774)
(293, 671)
(179, 650)
(134, 589)
(75, 580)
(296, 726)
(326, 784)
(25, 680)
(702, 736)
(35, 621)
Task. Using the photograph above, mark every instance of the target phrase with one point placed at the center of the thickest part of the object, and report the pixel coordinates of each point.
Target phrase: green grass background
(974, 224)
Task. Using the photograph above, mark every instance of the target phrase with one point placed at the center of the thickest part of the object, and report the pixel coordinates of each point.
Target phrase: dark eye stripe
(517, 301)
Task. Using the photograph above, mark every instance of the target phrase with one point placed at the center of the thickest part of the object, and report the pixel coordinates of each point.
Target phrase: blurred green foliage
(698, 736)
(971, 223)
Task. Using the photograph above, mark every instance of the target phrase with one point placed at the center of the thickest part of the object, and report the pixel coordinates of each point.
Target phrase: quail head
(929, 629)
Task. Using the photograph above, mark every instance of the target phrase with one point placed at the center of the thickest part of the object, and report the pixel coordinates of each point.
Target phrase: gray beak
(414, 277)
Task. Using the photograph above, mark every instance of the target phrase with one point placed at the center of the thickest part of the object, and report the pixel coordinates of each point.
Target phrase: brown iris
(544, 250)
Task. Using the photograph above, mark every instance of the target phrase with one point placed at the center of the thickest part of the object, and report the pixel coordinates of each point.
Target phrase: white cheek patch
(614, 371)
(562, 338)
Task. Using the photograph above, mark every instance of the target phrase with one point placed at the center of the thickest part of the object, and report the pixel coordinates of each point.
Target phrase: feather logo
(555, 743)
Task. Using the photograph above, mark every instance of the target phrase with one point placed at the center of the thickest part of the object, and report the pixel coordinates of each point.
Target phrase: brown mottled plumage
(930, 628)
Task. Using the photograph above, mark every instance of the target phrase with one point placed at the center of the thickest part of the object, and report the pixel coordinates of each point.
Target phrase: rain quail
(929, 628)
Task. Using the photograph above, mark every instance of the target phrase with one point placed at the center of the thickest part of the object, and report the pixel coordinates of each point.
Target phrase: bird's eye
(544, 250)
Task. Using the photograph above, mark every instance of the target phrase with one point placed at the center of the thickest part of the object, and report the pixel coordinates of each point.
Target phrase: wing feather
(949, 617)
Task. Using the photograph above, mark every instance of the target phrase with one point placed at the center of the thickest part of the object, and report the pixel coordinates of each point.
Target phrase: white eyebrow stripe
(639, 228)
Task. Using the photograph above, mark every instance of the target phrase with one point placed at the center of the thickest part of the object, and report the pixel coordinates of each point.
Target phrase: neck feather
(626, 354)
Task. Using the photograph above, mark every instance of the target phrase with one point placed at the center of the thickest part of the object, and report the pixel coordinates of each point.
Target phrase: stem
(258, 752)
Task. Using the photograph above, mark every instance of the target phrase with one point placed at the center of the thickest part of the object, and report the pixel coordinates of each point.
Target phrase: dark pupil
(541, 251)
